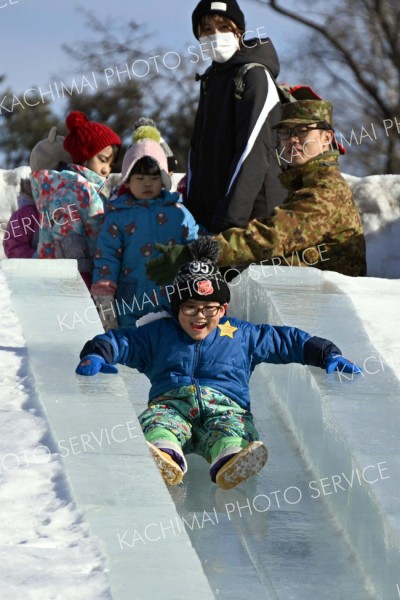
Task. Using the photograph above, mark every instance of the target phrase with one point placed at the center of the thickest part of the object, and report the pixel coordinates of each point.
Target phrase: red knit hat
(87, 138)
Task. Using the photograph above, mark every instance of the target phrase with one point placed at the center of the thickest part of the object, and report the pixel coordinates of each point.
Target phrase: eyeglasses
(191, 311)
(284, 133)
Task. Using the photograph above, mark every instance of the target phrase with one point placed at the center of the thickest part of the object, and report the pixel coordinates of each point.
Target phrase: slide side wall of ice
(345, 426)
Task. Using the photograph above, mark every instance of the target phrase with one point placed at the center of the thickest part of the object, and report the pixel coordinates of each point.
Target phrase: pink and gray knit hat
(145, 147)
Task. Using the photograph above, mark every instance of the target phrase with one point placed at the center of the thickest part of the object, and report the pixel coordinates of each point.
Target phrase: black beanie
(228, 8)
(201, 278)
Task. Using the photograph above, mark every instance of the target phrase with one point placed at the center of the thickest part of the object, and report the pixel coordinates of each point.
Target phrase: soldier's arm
(313, 217)
(304, 222)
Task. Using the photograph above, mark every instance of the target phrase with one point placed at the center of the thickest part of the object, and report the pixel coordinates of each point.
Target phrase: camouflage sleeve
(310, 217)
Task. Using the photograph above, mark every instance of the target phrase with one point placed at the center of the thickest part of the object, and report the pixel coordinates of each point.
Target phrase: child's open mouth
(198, 326)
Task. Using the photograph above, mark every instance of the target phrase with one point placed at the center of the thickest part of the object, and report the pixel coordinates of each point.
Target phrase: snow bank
(46, 549)
(9, 188)
(378, 200)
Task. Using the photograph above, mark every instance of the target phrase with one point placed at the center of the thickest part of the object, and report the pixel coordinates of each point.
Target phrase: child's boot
(170, 470)
(242, 465)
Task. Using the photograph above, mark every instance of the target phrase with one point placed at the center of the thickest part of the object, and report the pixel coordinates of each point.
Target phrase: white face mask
(219, 46)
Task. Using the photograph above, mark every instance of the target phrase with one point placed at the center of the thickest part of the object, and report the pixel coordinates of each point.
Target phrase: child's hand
(336, 362)
(104, 287)
(164, 268)
(92, 364)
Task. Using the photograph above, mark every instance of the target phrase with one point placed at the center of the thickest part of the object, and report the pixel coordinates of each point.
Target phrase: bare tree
(21, 129)
(119, 78)
(137, 80)
(352, 58)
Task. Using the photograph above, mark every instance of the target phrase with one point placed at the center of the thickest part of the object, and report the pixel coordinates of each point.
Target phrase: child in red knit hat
(71, 202)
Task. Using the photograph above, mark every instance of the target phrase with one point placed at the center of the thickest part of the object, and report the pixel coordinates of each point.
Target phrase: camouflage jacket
(318, 225)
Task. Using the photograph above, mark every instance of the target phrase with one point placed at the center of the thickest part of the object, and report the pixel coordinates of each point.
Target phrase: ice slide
(321, 521)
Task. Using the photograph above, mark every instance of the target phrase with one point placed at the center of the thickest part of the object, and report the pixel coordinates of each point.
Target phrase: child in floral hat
(70, 202)
(199, 363)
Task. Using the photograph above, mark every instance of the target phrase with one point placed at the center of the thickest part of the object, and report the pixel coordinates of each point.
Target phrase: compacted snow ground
(46, 552)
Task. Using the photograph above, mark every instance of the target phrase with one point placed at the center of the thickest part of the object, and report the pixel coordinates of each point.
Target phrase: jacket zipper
(196, 381)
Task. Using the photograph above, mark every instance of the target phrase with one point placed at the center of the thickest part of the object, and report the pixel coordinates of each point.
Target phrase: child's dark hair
(116, 152)
(145, 166)
(219, 19)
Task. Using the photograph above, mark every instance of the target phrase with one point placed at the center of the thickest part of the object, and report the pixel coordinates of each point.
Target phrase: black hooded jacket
(233, 170)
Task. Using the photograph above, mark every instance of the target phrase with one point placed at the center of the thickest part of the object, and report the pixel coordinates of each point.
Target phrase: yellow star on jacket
(227, 329)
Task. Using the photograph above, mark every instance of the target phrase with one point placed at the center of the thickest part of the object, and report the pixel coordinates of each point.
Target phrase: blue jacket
(126, 242)
(224, 360)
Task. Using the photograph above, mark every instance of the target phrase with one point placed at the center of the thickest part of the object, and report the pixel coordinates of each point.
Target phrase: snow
(9, 187)
(378, 200)
(46, 549)
(46, 552)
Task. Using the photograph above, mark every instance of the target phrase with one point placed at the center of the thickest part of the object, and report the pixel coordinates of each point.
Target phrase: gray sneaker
(169, 469)
(242, 466)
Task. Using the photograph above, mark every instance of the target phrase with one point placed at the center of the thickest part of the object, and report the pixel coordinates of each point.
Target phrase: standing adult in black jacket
(233, 171)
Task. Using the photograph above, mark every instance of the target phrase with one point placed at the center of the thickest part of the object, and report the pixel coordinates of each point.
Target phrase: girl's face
(144, 187)
(102, 162)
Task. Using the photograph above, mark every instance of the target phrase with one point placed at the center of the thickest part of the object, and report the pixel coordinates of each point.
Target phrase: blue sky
(32, 32)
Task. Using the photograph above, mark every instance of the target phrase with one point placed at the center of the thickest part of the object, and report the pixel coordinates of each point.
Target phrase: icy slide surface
(96, 432)
(322, 520)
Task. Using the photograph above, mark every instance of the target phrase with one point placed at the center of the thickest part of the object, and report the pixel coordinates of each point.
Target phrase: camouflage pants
(208, 424)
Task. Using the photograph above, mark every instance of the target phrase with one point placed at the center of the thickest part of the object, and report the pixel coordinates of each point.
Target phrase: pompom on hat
(200, 279)
(145, 144)
(146, 127)
(87, 138)
(229, 9)
(49, 153)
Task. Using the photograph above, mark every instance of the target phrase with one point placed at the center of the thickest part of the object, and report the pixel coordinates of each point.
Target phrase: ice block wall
(347, 427)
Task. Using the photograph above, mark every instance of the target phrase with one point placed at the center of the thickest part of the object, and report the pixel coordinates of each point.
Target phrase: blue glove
(336, 362)
(92, 364)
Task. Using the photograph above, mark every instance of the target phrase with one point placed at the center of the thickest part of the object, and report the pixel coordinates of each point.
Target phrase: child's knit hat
(228, 8)
(148, 122)
(200, 279)
(48, 153)
(146, 143)
(87, 138)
